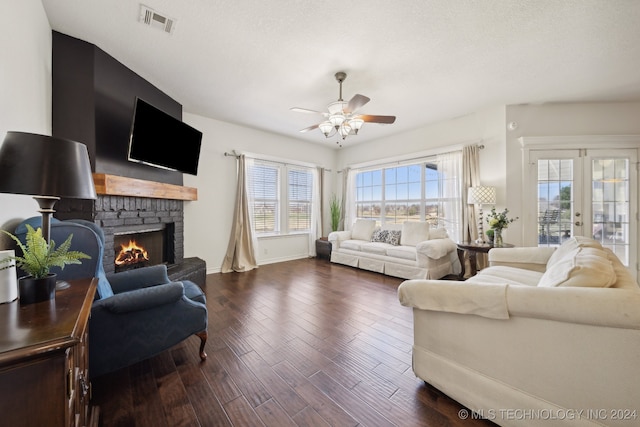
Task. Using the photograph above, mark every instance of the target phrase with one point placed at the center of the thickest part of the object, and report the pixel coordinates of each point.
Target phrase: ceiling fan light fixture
(342, 117)
(326, 128)
(356, 124)
(344, 130)
(336, 119)
(337, 107)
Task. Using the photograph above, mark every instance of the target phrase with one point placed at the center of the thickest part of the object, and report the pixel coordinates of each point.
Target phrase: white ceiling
(249, 61)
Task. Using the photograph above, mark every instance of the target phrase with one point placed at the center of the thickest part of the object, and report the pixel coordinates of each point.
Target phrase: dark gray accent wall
(93, 98)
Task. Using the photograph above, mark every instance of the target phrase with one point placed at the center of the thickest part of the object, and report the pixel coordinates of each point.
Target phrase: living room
(498, 126)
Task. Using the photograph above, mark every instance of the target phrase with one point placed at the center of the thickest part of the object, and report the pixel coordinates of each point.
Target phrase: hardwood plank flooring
(299, 343)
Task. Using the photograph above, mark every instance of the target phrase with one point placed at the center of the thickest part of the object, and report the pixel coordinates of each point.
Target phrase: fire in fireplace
(131, 254)
(141, 248)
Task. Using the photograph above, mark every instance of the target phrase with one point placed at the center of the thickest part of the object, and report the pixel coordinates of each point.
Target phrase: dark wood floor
(299, 343)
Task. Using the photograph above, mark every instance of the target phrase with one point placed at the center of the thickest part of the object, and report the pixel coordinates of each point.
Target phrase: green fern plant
(38, 257)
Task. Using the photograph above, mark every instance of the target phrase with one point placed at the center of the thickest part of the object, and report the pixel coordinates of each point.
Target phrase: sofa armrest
(336, 237)
(531, 258)
(488, 300)
(142, 299)
(435, 248)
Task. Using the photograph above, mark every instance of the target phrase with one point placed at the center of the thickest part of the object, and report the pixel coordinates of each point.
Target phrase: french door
(586, 192)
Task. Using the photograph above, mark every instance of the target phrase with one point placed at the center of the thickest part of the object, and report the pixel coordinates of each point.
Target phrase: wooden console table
(44, 355)
(472, 249)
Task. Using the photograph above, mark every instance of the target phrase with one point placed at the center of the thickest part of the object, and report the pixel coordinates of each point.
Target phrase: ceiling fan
(342, 117)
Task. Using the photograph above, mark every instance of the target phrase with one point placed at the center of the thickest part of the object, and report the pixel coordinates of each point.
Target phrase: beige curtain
(315, 231)
(241, 254)
(471, 178)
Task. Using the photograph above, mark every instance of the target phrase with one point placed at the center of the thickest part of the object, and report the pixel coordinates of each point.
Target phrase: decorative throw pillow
(379, 236)
(393, 237)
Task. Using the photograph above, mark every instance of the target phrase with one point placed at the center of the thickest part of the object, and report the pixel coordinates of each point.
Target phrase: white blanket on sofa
(488, 300)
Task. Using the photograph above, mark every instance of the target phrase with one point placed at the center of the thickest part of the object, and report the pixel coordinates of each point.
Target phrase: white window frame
(282, 209)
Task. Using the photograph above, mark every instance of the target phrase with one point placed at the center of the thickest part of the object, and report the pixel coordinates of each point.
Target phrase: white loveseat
(412, 250)
(539, 338)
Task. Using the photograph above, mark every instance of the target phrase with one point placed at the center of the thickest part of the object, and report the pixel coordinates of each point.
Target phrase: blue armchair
(137, 313)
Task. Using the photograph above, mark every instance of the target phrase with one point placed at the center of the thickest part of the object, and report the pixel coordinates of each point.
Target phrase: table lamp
(479, 196)
(46, 168)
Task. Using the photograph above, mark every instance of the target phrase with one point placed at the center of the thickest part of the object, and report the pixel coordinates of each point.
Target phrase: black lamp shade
(40, 165)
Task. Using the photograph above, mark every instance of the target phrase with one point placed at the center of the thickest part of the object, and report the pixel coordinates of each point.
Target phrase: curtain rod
(233, 153)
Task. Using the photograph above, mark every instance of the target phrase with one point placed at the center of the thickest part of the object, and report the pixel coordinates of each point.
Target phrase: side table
(323, 248)
(471, 249)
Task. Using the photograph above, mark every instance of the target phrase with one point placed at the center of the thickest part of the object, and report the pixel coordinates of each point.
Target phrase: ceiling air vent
(152, 18)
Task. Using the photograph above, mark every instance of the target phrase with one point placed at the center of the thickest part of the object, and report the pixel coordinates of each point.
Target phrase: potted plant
(37, 258)
(335, 208)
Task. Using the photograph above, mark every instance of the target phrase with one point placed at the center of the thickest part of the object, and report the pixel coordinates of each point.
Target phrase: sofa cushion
(354, 245)
(582, 267)
(414, 232)
(363, 229)
(403, 252)
(378, 248)
(509, 275)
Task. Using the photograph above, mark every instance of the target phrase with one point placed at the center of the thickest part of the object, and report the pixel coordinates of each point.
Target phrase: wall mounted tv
(160, 140)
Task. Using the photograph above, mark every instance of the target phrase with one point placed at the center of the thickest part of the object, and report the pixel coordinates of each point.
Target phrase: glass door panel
(610, 204)
(587, 193)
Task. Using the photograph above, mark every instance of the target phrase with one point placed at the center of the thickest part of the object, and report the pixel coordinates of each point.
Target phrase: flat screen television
(160, 140)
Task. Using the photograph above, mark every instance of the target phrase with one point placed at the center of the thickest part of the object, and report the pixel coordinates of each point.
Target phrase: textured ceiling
(249, 61)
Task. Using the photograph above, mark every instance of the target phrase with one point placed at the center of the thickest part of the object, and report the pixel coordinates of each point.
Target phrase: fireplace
(124, 218)
(135, 248)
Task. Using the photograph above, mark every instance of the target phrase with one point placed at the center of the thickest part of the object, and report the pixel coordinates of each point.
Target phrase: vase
(37, 290)
(497, 237)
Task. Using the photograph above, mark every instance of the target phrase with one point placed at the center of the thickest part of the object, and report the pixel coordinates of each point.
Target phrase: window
(300, 190)
(276, 189)
(411, 192)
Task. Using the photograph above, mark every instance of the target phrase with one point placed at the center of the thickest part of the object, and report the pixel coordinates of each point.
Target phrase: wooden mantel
(114, 185)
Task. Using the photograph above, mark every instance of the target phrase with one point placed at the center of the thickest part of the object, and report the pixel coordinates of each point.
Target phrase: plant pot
(37, 290)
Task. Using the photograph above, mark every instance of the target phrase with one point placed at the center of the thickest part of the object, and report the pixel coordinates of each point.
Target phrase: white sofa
(539, 338)
(410, 251)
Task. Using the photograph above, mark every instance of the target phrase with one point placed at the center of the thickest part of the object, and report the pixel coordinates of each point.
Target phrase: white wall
(208, 220)
(567, 119)
(25, 85)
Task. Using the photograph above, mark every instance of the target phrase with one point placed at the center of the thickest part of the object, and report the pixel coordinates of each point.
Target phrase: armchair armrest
(532, 258)
(138, 278)
(336, 237)
(142, 299)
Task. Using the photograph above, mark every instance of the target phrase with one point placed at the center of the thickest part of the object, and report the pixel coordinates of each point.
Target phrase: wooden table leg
(472, 263)
(461, 259)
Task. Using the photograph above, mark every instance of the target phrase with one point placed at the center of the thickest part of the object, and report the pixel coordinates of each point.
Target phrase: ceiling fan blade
(378, 119)
(309, 128)
(305, 110)
(356, 102)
